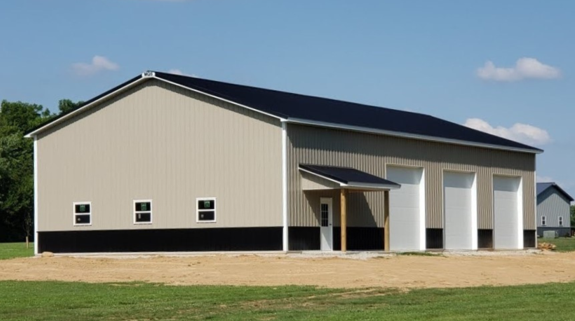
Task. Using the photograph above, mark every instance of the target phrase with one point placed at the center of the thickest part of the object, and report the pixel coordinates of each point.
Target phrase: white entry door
(326, 223)
(507, 213)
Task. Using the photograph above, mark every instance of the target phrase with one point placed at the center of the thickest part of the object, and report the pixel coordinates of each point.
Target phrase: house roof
(296, 108)
(542, 187)
(349, 177)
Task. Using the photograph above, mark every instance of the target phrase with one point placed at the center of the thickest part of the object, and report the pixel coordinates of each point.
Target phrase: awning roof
(351, 178)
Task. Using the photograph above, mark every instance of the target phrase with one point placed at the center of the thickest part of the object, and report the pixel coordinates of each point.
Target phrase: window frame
(560, 220)
(74, 213)
(134, 212)
(198, 211)
(543, 220)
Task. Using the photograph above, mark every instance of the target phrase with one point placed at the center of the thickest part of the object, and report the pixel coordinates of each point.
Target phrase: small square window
(206, 210)
(143, 212)
(82, 213)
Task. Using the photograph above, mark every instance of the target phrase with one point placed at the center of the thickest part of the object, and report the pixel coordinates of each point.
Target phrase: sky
(505, 67)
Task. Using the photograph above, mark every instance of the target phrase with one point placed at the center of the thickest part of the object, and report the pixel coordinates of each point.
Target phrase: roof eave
(411, 136)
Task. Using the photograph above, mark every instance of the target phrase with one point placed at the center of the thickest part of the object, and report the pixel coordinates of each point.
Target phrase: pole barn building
(166, 162)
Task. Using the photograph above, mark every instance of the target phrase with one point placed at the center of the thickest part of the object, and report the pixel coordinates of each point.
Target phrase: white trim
(474, 233)
(406, 135)
(422, 214)
(74, 213)
(210, 210)
(219, 98)
(81, 109)
(285, 218)
(36, 195)
(520, 240)
(370, 186)
(134, 212)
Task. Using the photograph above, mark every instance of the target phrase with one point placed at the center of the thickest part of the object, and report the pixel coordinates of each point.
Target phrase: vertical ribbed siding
(552, 204)
(371, 153)
(160, 142)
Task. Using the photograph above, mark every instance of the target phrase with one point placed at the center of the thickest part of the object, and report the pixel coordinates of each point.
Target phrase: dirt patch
(396, 271)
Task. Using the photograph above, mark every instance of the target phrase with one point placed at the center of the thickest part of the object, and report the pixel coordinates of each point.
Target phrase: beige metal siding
(313, 182)
(160, 142)
(371, 153)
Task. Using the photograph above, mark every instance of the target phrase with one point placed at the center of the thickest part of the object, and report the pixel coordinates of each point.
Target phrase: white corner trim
(35, 195)
(520, 240)
(406, 135)
(285, 213)
(220, 98)
(474, 214)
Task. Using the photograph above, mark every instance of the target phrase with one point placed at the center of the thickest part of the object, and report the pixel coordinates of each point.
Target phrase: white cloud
(179, 72)
(98, 64)
(523, 133)
(175, 71)
(525, 68)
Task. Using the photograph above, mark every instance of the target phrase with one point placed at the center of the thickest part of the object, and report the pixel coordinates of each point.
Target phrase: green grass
(14, 250)
(143, 301)
(564, 244)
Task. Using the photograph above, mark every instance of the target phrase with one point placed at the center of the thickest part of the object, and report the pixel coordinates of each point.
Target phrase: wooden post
(343, 220)
(386, 221)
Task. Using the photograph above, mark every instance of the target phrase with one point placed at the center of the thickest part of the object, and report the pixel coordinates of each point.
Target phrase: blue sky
(505, 67)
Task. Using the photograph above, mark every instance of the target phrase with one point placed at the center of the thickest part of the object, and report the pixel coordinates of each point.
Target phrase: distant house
(553, 209)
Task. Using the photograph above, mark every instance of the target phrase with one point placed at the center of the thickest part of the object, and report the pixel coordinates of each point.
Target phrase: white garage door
(507, 216)
(407, 209)
(460, 229)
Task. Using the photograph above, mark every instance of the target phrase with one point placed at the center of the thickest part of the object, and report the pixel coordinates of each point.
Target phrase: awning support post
(386, 221)
(343, 219)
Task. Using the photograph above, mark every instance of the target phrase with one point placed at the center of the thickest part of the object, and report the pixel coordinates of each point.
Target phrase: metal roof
(324, 112)
(349, 177)
(542, 187)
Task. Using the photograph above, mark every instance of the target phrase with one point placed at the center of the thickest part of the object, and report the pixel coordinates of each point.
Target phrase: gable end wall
(161, 142)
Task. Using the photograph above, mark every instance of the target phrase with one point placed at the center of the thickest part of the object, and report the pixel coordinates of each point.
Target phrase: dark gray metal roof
(347, 175)
(542, 187)
(294, 107)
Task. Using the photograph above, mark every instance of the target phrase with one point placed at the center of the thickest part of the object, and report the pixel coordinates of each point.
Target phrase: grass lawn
(143, 301)
(564, 244)
(13, 250)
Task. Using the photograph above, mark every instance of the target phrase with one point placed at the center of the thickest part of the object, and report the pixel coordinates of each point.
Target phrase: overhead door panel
(506, 213)
(458, 205)
(406, 204)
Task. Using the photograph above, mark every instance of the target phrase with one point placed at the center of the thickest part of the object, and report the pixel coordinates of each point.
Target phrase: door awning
(330, 177)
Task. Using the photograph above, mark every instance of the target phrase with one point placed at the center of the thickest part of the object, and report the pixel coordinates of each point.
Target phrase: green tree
(17, 167)
(572, 215)
(66, 105)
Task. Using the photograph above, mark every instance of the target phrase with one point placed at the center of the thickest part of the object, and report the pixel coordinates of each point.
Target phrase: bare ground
(390, 271)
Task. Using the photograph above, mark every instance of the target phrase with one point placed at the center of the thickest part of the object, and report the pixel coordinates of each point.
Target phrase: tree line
(17, 165)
